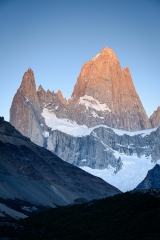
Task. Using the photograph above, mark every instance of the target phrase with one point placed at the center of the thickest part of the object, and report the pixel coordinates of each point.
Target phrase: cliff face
(25, 110)
(155, 118)
(103, 147)
(103, 79)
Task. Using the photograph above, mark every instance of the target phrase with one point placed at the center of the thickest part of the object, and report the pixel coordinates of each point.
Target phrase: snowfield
(72, 128)
(133, 171)
(90, 102)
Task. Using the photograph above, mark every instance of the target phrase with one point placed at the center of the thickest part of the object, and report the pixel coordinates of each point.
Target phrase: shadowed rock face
(152, 180)
(30, 172)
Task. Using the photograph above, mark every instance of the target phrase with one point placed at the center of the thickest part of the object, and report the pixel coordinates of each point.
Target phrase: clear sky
(56, 37)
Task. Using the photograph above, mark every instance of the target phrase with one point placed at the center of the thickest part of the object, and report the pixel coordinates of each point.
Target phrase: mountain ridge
(101, 82)
(32, 173)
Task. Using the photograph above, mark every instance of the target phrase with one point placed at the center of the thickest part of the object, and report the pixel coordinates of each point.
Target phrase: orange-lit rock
(103, 94)
(25, 109)
(104, 80)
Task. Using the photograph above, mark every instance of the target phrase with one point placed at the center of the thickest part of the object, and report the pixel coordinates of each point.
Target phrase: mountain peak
(30, 70)
(105, 53)
(61, 98)
(155, 118)
(28, 85)
(107, 50)
(126, 70)
(40, 88)
(103, 79)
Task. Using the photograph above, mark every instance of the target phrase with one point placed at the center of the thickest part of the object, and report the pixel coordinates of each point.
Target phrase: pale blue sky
(56, 37)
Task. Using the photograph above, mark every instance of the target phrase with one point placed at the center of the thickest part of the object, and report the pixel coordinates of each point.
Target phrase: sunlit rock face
(25, 110)
(103, 79)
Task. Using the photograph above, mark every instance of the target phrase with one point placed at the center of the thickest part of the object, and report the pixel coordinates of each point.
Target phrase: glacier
(134, 168)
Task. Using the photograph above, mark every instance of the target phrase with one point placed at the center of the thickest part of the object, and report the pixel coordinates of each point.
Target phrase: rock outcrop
(25, 112)
(152, 180)
(155, 118)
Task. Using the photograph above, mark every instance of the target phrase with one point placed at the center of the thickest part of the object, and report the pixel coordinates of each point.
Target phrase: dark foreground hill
(152, 180)
(124, 216)
(32, 177)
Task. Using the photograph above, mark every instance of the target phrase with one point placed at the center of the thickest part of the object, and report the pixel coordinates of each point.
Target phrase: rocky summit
(103, 80)
(103, 94)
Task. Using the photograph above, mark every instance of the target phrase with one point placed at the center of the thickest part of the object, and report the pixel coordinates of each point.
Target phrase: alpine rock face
(82, 130)
(155, 118)
(103, 81)
(26, 109)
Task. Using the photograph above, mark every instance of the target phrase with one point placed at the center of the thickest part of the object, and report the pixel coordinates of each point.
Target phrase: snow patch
(90, 102)
(26, 99)
(64, 125)
(83, 160)
(116, 154)
(133, 171)
(95, 57)
(46, 134)
(96, 115)
(141, 132)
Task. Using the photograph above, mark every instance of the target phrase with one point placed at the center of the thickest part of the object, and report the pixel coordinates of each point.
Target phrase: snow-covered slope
(72, 128)
(133, 172)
